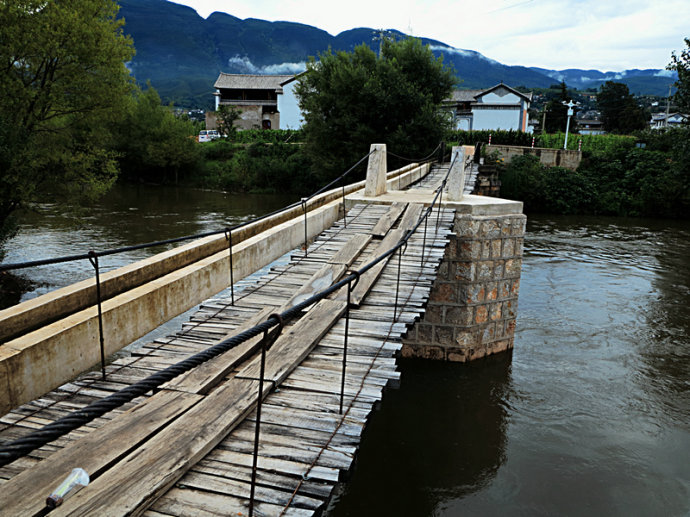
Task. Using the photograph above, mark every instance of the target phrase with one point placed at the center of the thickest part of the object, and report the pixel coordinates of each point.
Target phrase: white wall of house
(496, 117)
(288, 106)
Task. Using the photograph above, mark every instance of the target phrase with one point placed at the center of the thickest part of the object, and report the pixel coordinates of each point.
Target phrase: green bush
(545, 189)
(258, 167)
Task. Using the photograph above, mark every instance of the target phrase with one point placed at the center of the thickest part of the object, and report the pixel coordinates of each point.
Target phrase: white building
(288, 105)
(500, 107)
(265, 101)
(674, 120)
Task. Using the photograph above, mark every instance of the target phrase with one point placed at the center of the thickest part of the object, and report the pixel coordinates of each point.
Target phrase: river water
(590, 415)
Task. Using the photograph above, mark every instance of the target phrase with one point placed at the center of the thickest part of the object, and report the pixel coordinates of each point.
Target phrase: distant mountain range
(182, 53)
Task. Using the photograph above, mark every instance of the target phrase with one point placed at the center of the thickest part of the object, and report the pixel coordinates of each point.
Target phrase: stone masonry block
(486, 250)
(434, 313)
(442, 273)
(508, 248)
(466, 226)
(510, 309)
(459, 316)
(465, 271)
(499, 271)
(496, 245)
(481, 314)
(518, 226)
(456, 355)
(485, 271)
(495, 311)
(474, 293)
(516, 287)
(443, 335)
(465, 338)
(491, 292)
(444, 292)
(469, 250)
(513, 267)
(425, 333)
(488, 334)
(490, 229)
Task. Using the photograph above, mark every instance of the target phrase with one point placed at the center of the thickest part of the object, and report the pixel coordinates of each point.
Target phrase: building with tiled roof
(499, 107)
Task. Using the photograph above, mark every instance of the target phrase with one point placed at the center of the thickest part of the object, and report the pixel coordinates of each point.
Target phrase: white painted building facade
(500, 107)
(288, 105)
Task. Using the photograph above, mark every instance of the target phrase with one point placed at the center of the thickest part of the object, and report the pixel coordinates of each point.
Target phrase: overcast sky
(557, 34)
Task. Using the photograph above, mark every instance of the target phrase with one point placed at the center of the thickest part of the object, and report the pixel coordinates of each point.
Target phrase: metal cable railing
(64, 425)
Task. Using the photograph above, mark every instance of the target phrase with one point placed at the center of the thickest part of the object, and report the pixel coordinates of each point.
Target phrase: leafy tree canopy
(152, 143)
(354, 99)
(557, 113)
(619, 111)
(681, 64)
(62, 78)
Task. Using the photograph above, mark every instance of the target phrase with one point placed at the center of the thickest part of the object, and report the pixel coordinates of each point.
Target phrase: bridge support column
(456, 177)
(376, 171)
(472, 307)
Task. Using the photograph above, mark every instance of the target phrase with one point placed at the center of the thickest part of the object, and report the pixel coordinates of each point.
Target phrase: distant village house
(266, 101)
(659, 120)
(499, 107)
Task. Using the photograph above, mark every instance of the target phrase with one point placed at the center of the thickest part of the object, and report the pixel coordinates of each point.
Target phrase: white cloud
(245, 65)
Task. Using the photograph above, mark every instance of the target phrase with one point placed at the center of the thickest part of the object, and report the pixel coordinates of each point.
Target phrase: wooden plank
(296, 342)
(293, 468)
(353, 247)
(388, 220)
(241, 490)
(367, 280)
(25, 494)
(411, 217)
(322, 279)
(263, 477)
(331, 271)
(200, 503)
(207, 375)
(145, 474)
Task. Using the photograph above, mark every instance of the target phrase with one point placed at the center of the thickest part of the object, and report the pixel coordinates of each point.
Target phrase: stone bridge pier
(472, 307)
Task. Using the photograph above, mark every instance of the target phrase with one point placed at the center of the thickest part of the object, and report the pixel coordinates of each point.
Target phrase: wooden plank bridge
(187, 448)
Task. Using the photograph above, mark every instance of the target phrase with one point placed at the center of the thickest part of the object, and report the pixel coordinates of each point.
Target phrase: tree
(619, 111)
(557, 113)
(152, 143)
(227, 116)
(62, 78)
(353, 99)
(681, 64)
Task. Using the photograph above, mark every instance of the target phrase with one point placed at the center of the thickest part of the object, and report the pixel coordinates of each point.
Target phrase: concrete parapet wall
(548, 157)
(46, 358)
(34, 313)
(141, 297)
(472, 308)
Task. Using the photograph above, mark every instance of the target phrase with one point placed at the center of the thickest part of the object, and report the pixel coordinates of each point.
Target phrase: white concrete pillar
(456, 177)
(376, 171)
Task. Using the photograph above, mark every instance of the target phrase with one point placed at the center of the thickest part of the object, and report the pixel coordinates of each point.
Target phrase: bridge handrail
(50, 432)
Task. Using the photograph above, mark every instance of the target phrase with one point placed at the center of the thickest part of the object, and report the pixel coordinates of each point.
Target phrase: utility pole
(570, 105)
(668, 105)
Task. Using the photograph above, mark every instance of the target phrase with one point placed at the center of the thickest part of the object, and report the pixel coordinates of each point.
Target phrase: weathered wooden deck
(187, 449)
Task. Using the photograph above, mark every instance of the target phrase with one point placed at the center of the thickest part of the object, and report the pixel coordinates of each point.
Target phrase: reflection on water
(127, 215)
(593, 411)
(419, 450)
